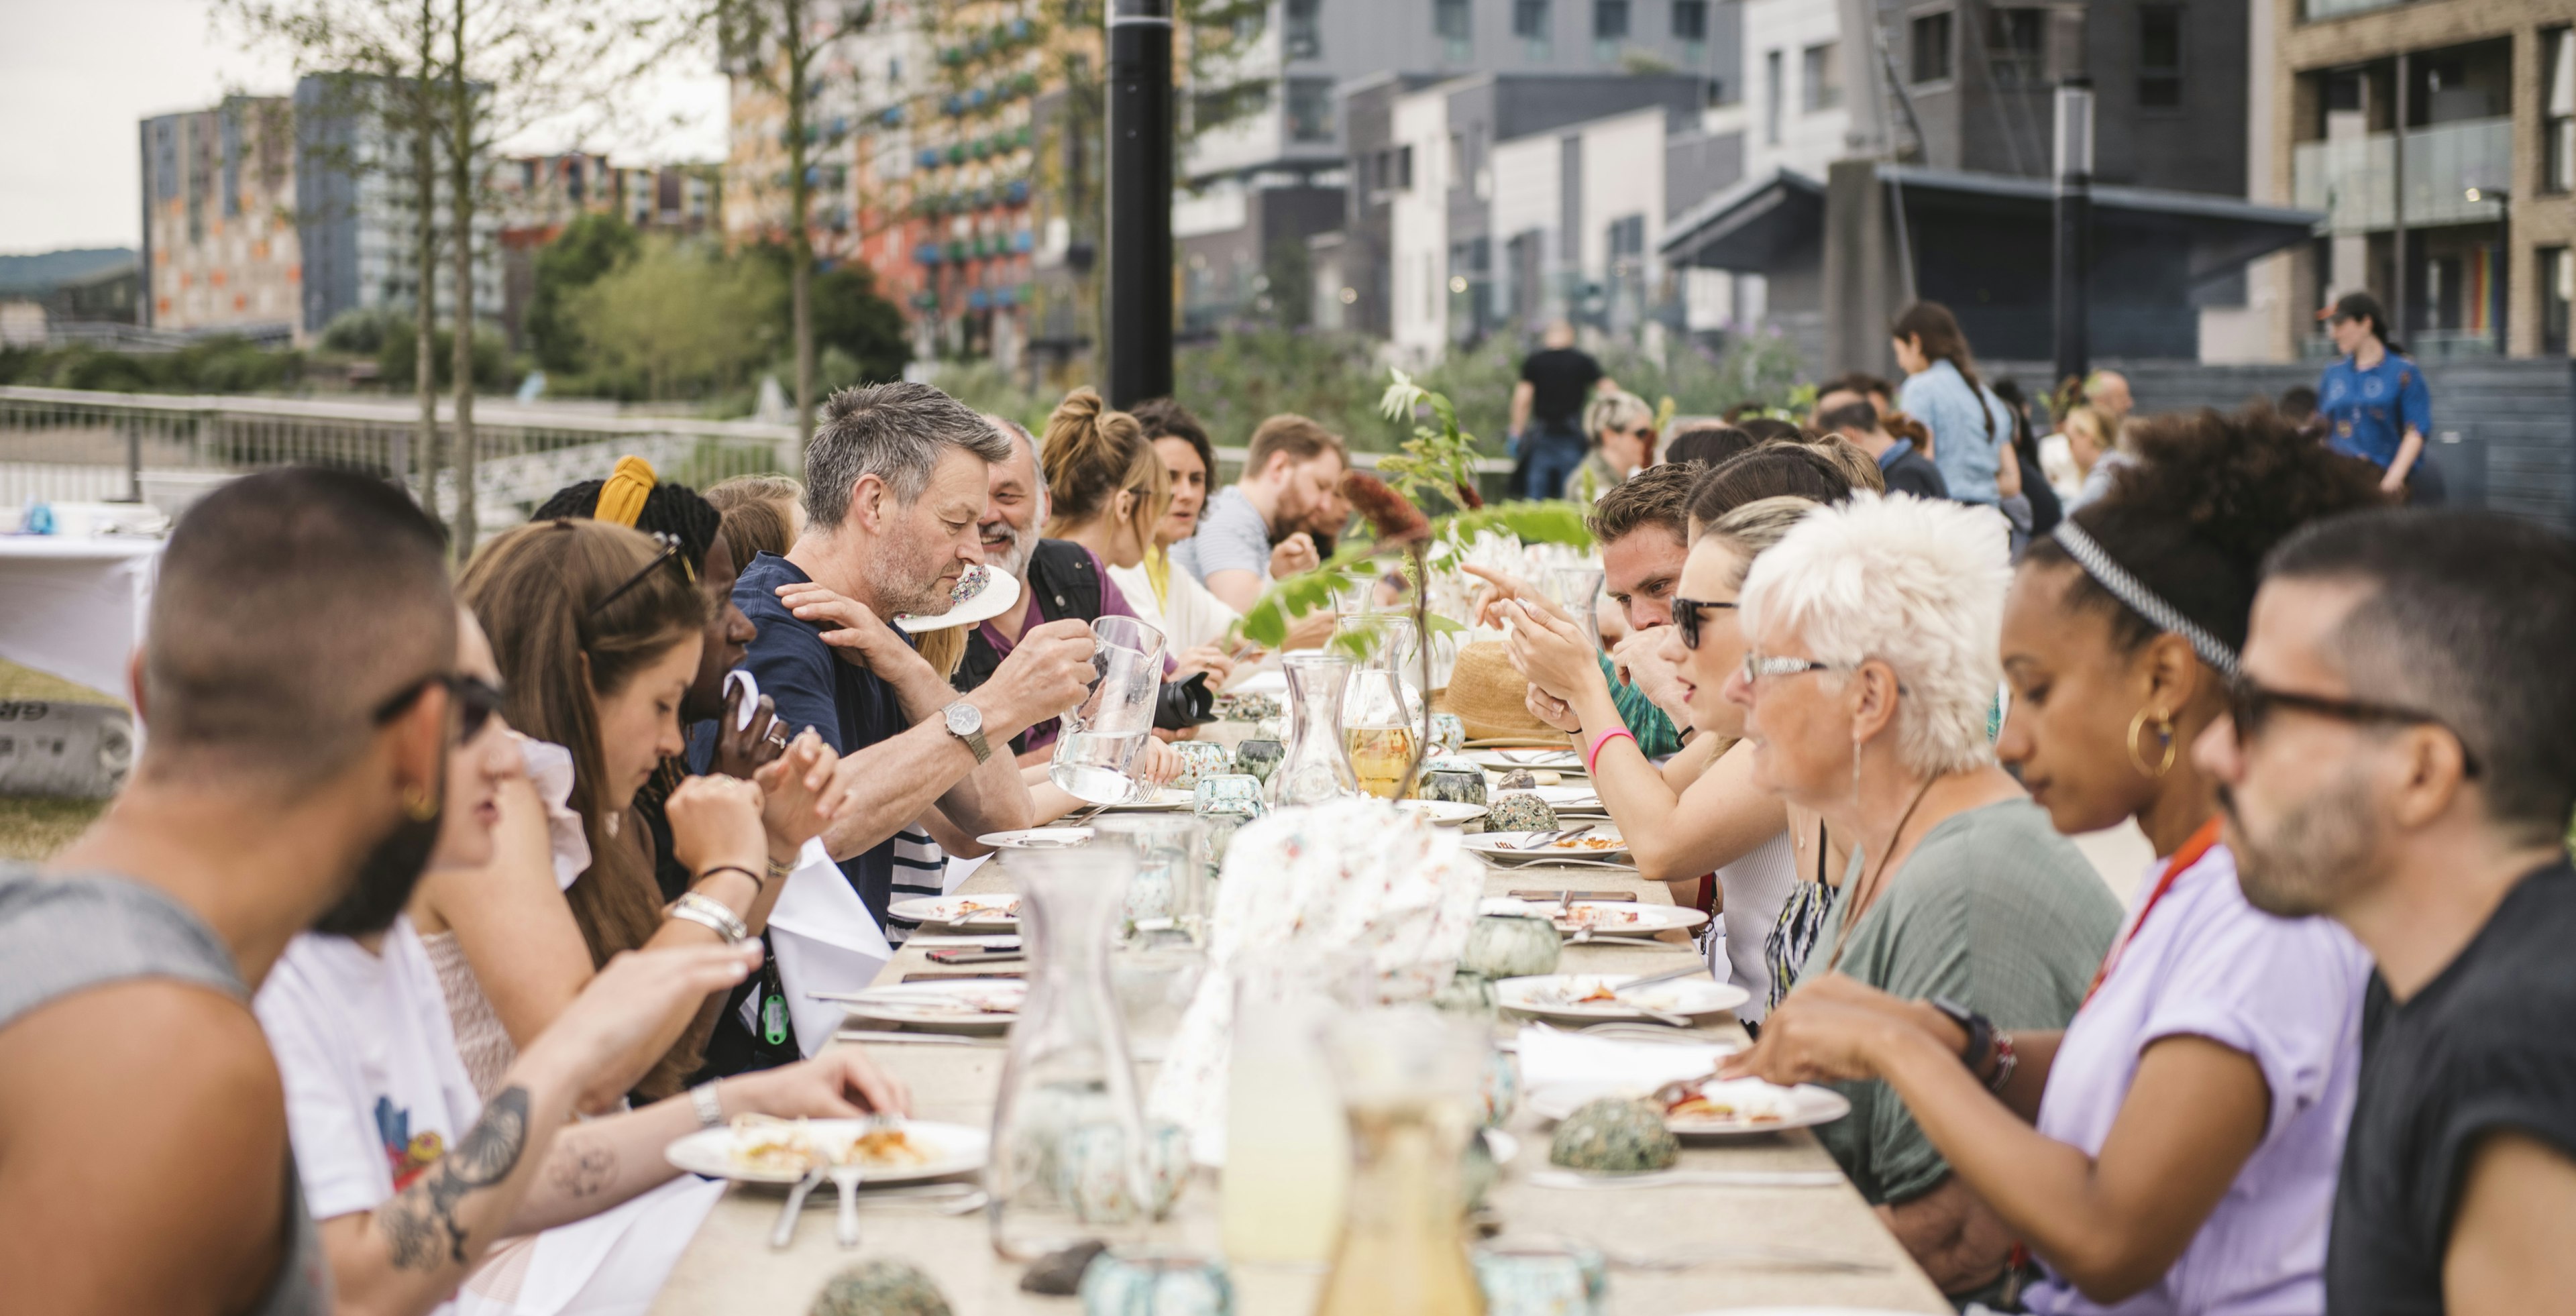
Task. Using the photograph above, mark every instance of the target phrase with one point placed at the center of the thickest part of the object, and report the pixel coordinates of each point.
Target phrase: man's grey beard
(1014, 561)
(2312, 854)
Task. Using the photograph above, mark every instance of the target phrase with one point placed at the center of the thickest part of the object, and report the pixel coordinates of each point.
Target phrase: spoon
(845, 1177)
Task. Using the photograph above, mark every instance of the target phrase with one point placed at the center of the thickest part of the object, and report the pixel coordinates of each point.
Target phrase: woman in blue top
(1972, 429)
(2374, 401)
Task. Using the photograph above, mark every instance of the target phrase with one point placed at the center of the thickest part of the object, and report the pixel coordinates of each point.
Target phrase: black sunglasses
(1686, 618)
(476, 701)
(670, 553)
(2251, 704)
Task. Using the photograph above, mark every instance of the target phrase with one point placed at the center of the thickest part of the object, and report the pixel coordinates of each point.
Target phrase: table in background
(729, 1269)
(74, 606)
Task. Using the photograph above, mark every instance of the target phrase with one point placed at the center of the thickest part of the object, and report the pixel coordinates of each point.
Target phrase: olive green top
(1993, 910)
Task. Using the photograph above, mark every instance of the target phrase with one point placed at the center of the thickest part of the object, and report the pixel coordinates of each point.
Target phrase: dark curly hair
(670, 509)
(2193, 517)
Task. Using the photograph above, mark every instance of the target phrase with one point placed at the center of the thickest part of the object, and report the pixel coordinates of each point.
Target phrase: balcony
(2314, 10)
(2354, 180)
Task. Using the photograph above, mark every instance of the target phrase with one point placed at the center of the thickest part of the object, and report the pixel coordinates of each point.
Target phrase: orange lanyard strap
(2191, 853)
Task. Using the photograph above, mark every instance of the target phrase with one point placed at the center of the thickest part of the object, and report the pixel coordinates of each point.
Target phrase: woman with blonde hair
(1622, 429)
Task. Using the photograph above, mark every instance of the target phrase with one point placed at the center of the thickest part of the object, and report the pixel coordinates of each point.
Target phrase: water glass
(1534, 1277)
(1223, 805)
(1448, 733)
(1169, 888)
(1147, 1281)
(1577, 590)
(1100, 735)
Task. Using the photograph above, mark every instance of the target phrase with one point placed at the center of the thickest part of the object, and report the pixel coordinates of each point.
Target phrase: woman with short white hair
(1622, 429)
(1868, 677)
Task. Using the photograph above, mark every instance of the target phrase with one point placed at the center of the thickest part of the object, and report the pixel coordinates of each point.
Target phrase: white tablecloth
(74, 607)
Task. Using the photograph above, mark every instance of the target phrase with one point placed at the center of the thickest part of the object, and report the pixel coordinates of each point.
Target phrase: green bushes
(209, 365)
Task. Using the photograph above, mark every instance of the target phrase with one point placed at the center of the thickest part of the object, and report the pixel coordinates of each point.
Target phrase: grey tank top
(61, 937)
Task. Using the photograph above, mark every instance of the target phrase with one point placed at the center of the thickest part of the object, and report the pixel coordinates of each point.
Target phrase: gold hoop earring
(2164, 731)
(420, 806)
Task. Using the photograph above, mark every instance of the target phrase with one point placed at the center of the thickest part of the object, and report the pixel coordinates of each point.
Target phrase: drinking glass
(1542, 1277)
(1577, 590)
(1100, 735)
(1407, 1078)
(1317, 767)
(1223, 805)
(1287, 1150)
(1147, 1281)
(1156, 967)
(1379, 728)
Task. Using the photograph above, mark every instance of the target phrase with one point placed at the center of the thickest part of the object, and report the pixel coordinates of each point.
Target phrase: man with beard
(2399, 760)
(295, 679)
(897, 488)
(1292, 477)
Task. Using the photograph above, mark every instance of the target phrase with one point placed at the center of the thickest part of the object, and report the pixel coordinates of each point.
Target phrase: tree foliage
(581, 255)
(681, 318)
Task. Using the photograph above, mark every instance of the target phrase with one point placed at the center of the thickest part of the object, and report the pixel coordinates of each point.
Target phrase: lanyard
(2200, 844)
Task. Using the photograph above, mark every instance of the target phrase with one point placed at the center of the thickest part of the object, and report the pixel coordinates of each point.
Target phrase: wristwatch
(1980, 1030)
(966, 722)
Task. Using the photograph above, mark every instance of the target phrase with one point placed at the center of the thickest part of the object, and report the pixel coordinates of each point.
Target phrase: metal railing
(66, 445)
(2354, 179)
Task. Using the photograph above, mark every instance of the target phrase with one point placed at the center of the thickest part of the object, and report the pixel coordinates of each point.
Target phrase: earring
(419, 806)
(1855, 772)
(2164, 727)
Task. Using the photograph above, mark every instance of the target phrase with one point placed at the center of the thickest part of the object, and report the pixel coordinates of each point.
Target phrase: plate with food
(1709, 1108)
(994, 911)
(759, 1149)
(953, 1005)
(1598, 843)
(1627, 918)
(1593, 997)
(1447, 813)
(1037, 838)
(1535, 758)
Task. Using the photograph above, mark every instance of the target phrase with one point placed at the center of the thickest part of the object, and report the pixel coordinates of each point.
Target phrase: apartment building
(2438, 137)
(356, 214)
(220, 249)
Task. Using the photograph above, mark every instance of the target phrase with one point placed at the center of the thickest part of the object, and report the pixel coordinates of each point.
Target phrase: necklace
(1866, 894)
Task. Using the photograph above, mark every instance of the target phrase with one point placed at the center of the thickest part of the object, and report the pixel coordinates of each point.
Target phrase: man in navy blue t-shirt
(895, 485)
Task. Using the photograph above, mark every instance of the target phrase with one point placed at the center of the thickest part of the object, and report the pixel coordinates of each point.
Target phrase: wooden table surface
(730, 1270)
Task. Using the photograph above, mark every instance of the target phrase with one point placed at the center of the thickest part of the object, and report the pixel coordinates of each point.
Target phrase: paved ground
(35, 828)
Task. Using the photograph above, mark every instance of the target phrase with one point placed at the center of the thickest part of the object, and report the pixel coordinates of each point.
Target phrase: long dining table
(1675, 1249)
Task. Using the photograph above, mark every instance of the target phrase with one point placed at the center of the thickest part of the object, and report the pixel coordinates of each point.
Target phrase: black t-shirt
(845, 703)
(2488, 1045)
(1560, 380)
(1910, 472)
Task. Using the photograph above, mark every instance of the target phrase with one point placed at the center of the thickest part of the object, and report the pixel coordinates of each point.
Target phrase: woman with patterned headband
(2174, 1148)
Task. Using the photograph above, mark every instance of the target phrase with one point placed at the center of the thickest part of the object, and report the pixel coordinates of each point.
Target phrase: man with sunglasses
(2399, 759)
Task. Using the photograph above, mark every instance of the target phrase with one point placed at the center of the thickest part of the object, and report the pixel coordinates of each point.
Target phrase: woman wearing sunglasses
(2174, 1147)
(1622, 427)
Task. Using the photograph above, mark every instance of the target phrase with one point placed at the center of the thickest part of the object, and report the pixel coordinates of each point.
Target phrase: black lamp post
(1137, 316)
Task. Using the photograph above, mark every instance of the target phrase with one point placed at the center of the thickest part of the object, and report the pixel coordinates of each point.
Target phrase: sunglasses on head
(670, 554)
(1686, 618)
(476, 701)
(2251, 705)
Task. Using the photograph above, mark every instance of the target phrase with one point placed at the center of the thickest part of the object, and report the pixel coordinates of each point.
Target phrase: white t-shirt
(1755, 888)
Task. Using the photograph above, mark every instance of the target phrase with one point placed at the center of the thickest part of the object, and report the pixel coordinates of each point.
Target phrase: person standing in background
(2107, 392)
(1547, 412)
(2374, 400)
(1971, 428)
(2046, 509)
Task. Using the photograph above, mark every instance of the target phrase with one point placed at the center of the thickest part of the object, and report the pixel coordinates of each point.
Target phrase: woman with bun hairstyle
(2174, 1148)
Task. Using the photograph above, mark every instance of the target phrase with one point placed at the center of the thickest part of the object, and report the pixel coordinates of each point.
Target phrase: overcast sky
(76, 76)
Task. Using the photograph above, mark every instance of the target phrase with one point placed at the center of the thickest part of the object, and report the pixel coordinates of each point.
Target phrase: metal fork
(785, 1233)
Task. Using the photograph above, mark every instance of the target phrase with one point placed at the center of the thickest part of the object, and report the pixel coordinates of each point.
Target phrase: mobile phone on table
(973, 955)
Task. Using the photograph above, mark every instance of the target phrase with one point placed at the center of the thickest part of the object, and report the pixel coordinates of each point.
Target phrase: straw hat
(1490, 698)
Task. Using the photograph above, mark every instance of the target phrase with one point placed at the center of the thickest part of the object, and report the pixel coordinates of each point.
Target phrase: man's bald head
(292, 604)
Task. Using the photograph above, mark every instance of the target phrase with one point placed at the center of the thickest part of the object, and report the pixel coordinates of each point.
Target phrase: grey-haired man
(895, 487)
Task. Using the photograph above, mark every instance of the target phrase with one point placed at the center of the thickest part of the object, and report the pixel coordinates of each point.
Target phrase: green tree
(585, 252)
(849, 316)
(682, 317)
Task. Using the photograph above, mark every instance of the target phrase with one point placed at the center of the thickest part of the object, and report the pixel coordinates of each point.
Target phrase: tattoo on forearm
(422, 1217)
(580, 1170)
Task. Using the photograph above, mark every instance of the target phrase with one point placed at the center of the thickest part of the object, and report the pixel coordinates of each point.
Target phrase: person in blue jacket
(2374, 401)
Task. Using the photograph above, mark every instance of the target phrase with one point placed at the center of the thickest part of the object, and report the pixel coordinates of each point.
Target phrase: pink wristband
(1592, 760)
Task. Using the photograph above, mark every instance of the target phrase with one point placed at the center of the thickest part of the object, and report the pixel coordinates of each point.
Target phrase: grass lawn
(32, 828)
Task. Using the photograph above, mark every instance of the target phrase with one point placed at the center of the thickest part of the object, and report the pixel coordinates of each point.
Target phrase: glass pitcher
(1316, 767)
(1067, 1081)
(1100, 736)
(1379, 727)
(1408, 1081)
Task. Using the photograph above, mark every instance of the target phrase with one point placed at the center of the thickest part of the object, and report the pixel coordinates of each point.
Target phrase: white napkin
(1550, 1056)
(826, 942)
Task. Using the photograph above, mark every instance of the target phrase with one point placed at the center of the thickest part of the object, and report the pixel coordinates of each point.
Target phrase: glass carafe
(1379, 727)
(1287, 1148)
(1316, 767)
(1408, 1083)
(1067, 1083)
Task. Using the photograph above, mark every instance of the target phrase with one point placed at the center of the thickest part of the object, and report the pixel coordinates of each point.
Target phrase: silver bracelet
(702, 1099)
(712, 915)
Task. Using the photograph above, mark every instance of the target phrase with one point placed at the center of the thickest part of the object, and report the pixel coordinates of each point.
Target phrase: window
(1821, 78)
(1931, 48)
(1690, 21)
(1452, 20)
(2558, 111)
(1530, 19)
(2017, 47)
(1403, 169)
(2557, 291)
(2160, 57)
(1305, 29)
(1310, 109)
(1609, 20)
(1774, 96)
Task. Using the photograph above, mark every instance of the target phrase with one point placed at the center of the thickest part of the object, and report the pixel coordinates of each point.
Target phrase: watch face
(965, 719)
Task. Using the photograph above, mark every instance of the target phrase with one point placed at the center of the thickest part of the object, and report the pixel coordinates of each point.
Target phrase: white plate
(1559, 996)
(1447, 813)
(955, 1005)
(1570, 799)
(1037, 838)
(1624, 918)
(1505, 845)
(950, 1148)
(1166, 798)
(962, 911)
(1533, 757)
(1803, 1106)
